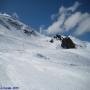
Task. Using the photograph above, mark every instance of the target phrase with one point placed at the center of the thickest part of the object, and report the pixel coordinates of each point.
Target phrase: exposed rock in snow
(67, 43)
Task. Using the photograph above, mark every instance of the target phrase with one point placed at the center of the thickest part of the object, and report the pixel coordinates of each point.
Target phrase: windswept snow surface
(33, 63)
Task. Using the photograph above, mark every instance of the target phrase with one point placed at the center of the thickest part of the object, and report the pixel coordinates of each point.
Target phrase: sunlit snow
(33, 63)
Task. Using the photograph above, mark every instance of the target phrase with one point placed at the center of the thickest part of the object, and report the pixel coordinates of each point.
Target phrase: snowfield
(33, 63)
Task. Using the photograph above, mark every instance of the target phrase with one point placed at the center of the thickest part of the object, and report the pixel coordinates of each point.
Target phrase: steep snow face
(10, 24)
(31, 62)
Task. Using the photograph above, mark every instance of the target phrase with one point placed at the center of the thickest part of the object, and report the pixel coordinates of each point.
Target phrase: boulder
(67, 43)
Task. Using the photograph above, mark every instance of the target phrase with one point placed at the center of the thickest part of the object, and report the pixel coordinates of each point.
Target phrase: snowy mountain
(29, 61)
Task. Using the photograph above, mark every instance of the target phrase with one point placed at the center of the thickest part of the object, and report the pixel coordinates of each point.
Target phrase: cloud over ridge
(70, 19)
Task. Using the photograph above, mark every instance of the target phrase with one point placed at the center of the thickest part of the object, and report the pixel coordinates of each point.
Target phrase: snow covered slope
(31, 62)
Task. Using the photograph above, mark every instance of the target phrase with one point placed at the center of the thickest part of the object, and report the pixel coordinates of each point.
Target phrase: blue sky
(38, 12)
(32, 12)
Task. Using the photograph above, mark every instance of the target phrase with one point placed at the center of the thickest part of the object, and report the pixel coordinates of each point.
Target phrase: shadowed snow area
(31, 62)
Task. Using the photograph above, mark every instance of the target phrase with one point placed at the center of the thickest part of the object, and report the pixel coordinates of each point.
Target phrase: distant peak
(5, 14)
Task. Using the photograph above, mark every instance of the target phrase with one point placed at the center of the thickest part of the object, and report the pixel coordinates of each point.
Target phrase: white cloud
(57, 25)
(72, 21)
(53, 17)
(74, 7)
(69, 19)
(83, 26)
